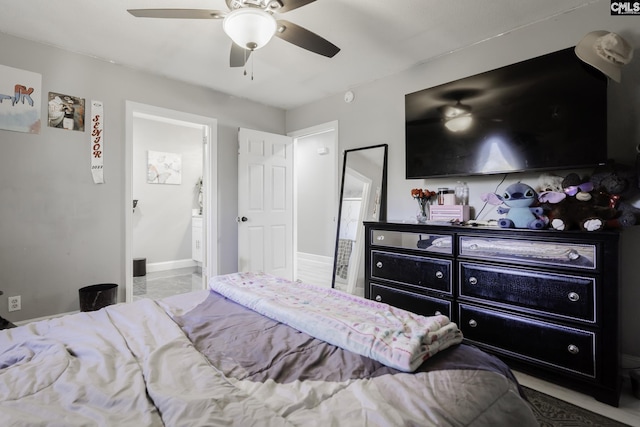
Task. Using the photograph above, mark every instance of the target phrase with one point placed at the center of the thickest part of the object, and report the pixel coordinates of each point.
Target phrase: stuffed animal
(549, 182)
(521, 210)
(577, 206)
(619, 183)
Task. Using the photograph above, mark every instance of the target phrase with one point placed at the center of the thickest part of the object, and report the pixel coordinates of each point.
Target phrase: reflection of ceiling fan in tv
(251, 24)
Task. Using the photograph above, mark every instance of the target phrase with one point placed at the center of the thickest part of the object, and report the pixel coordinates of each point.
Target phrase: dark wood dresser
(544, 301)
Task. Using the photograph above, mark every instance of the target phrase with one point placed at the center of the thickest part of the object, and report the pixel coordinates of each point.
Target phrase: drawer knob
(573, 349)
(439, 274)
(380, 237)
(379, 264)
(378, 298)
(473, 323)
(573, 296)
(473, 280)
(573, 255)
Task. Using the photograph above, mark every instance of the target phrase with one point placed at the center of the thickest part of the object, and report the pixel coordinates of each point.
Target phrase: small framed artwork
(66, 112)
(164, 168)
(20, 97)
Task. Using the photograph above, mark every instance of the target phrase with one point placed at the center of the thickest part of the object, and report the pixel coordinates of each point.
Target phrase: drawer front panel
(568, 296)
(569, 349)
(582, 256)
(435, 243)
(409, 301)
(430, 273)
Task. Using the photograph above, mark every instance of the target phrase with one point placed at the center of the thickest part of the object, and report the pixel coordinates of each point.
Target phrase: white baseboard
(170, 265)
(314, 269)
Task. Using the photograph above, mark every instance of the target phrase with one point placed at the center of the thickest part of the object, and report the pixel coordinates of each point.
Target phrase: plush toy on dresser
(578, 206)
(522, 210)
(619, 183)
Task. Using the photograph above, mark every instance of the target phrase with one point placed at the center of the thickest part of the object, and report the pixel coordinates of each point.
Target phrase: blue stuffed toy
(521, 212)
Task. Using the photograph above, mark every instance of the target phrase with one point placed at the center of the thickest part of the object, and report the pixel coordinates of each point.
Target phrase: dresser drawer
(569, 296)
(409, 301)
(574, 255)
(429, 273)
(545, 343)
(436, 243)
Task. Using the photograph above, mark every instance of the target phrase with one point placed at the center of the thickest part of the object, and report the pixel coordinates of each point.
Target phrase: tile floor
(160, 284)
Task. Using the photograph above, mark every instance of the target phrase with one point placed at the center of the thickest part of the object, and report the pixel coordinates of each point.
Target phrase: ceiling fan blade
(288, 5)
(305, 39)
(238, 56)
(178, 13)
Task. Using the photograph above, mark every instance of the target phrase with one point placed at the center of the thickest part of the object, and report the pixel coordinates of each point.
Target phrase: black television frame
(554, 102)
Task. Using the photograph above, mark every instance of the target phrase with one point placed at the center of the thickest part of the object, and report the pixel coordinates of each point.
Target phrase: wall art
(20, 100)
(66, 112)
(164, 168)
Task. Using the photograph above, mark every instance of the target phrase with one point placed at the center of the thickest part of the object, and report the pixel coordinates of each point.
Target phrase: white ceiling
(377, 39)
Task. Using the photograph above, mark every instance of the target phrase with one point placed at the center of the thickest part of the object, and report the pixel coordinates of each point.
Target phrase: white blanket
(397, 338)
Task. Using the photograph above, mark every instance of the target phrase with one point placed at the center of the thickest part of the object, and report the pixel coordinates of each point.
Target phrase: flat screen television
(545, 113)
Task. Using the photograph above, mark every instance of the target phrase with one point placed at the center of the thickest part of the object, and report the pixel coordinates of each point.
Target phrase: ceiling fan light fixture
(249, 28)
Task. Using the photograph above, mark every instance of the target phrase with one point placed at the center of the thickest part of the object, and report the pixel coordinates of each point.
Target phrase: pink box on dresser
(449, 212)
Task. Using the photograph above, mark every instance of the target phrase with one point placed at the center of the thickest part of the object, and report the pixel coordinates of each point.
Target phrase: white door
(265, 203)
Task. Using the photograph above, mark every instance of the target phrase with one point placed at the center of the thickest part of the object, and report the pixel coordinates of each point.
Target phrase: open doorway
(316, 189)
(173, 227)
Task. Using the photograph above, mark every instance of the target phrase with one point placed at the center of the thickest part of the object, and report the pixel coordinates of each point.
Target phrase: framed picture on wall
(66, 112)
(164, 168)
(20, 95)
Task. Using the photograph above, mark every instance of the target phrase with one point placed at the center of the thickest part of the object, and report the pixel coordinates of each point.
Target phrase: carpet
(552, 412)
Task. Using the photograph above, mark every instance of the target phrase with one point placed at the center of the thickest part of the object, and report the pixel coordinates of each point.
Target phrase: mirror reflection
(362, 198)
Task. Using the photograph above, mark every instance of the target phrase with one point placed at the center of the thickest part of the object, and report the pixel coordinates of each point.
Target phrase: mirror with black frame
(362, 198)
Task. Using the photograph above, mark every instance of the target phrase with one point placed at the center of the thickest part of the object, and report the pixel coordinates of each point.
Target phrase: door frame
(209, 176)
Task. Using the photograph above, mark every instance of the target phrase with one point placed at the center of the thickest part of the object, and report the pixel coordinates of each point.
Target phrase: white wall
(162, 219)
(58, 230)
(316, 183)
(377, 116)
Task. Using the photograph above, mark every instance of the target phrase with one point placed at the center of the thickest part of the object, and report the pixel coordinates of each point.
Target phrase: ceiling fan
(251, 24)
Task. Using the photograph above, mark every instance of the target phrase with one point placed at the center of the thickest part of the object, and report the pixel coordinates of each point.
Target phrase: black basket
(95, 297)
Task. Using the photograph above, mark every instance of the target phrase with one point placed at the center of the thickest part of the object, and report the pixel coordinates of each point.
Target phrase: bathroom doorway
(171, 223)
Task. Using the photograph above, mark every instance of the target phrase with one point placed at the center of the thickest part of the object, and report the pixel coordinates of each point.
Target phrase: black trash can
(95, 297)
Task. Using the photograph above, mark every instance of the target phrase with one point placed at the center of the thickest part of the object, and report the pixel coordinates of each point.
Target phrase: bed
(228, 356)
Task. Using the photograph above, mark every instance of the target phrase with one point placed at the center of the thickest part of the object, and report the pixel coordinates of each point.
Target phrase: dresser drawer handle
(473, 280)
(573, 255)
(380, 237)
(473, 323)
(573, 349)
(378, 298)
(573, 296)
(379, 264)
(439, 274)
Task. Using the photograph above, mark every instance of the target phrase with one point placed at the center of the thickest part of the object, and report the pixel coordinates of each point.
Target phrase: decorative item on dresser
(544, 301)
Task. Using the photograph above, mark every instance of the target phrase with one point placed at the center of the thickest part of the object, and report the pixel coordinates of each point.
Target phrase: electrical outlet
(14, 303)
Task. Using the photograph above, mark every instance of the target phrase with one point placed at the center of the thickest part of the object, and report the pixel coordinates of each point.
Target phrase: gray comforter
(207, 361)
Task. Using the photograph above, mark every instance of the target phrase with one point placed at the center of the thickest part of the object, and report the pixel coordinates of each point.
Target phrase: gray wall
(377, 116)
(58, 230)
(316, 184)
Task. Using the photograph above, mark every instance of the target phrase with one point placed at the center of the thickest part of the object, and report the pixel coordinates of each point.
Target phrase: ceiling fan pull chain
(245, 61)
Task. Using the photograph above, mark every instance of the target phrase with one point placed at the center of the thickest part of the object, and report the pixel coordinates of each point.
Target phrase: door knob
(243, 219)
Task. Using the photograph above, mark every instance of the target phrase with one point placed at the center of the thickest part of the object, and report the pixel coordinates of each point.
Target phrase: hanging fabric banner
(97, 142)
